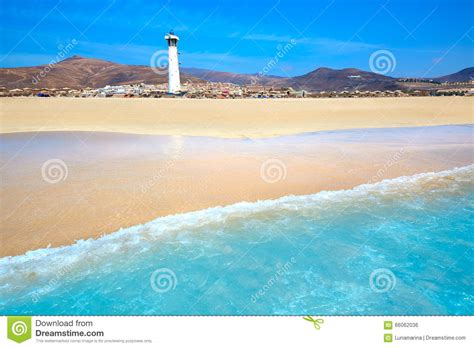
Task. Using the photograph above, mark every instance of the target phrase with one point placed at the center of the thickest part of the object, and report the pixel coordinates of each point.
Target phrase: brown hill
(325, 79)
(464, 75)
(239, 79)
(79, 72)
(322, 79)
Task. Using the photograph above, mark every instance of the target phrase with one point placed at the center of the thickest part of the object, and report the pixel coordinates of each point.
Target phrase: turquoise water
(401, 246)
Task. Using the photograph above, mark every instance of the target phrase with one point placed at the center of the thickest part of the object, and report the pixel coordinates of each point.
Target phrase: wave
(138, 238)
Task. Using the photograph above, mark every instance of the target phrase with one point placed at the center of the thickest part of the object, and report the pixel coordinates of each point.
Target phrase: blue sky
(427, 37)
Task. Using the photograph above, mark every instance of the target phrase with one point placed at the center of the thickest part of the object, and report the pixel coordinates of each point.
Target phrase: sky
(423, 38)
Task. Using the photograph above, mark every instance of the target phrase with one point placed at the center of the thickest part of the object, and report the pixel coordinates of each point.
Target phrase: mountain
(464, 75)
(325, 79)
(322, 79)
(80, 72)
(239, 79)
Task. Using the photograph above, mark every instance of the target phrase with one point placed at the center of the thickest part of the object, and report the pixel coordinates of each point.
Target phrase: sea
(401, 246)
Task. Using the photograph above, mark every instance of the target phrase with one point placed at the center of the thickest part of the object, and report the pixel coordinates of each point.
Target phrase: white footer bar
(290, 331)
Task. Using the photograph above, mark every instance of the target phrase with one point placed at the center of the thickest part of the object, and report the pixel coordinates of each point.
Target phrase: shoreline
(115, 181)
(234, 118)
(310, 133)
(242, 204)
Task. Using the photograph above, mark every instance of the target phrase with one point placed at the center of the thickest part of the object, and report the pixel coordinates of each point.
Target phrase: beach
(411, 235)
(128, 161)
(59, 187)
(301, 164)
(238, 118)
(104, 193)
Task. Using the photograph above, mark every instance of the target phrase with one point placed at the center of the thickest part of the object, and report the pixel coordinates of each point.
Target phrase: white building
(174, 86)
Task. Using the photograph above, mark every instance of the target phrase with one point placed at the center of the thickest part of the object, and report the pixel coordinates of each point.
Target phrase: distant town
(125, 81)
(221, 90)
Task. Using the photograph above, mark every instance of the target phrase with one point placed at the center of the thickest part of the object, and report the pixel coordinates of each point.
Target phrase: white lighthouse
(174, 86)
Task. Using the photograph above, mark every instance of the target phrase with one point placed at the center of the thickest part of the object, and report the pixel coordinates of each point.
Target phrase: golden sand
(115, 180)
(228, 118)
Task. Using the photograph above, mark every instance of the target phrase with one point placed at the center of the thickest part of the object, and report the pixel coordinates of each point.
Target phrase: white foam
(46, 260)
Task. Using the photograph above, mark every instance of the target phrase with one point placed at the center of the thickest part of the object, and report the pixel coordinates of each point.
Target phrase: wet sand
(228, 118)
(107, 181)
